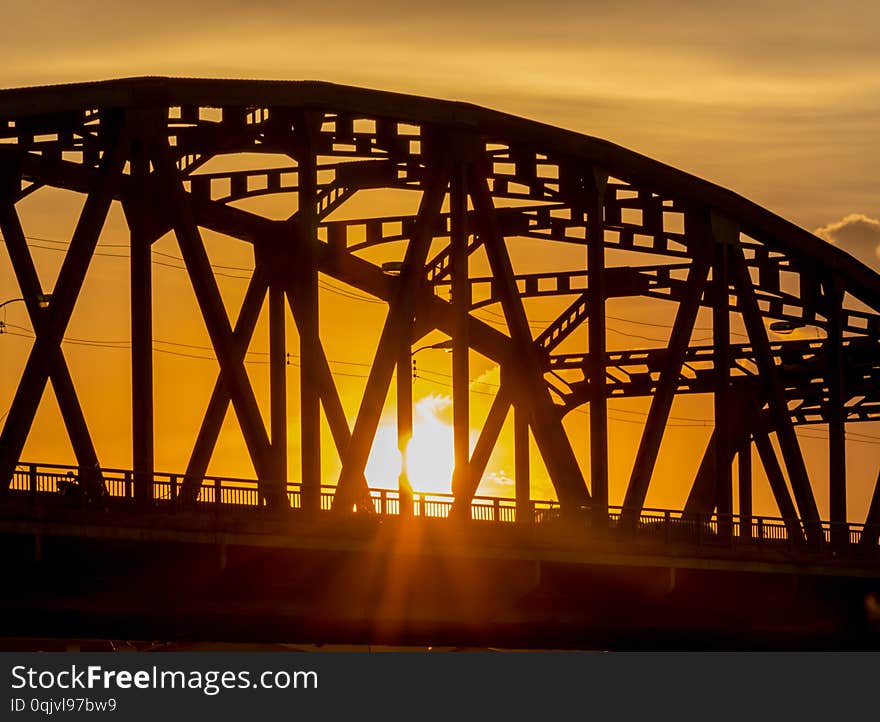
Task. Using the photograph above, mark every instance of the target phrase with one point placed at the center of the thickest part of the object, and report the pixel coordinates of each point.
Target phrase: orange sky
(777, 101)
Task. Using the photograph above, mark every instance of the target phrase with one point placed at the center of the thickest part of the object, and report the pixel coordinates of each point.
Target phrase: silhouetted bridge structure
(90, 551)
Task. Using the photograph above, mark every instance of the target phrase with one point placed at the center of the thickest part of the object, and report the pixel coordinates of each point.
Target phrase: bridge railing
(232, 492)
(648, 524)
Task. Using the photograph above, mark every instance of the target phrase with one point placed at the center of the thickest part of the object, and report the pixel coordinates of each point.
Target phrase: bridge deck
(225, 569)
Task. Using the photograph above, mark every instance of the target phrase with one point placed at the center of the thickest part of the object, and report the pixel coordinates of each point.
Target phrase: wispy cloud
(498, 479)
(488, 381)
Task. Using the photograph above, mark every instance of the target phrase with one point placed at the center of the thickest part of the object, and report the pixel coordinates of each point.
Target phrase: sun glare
(430, 458)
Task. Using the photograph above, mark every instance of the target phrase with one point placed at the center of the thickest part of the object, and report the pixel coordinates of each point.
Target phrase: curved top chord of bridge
(485, 180)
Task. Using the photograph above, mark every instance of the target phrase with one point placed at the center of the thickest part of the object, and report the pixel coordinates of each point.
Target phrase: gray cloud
(857, 234)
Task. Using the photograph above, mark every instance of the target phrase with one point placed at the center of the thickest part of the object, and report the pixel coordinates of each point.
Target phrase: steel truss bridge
(647, 231)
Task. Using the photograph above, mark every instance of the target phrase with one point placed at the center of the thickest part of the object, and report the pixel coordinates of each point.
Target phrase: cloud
(856, 234)
(488, 381)
(498, 479)
(433, 407)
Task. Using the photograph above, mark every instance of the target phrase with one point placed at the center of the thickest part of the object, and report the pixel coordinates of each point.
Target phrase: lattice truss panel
(647, 231)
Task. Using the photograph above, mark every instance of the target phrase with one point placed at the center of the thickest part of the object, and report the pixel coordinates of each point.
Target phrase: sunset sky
(778, 101)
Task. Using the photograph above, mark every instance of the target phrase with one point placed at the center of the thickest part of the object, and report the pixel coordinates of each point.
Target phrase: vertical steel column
(836, 415)
(722, 234)
(309, 339)
(595, 192)
(141, 326)
(745, 486)
(278, 383)
(461, 301)
(404, 420)
(521, 470)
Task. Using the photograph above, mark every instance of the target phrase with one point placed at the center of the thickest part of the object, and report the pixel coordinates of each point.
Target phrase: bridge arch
(645, 230)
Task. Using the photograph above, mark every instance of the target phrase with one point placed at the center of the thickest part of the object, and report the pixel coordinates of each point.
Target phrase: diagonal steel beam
(703, 496)
(352, 270)
(564, 324)
(791, 451)
(777, 483)
(212, 421)
(397, 322)
(46, 358)
(329, 394)
(217, 323)
(464, 492)
(661, 403)
(527, 374)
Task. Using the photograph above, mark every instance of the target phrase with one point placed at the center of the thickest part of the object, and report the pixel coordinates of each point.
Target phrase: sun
(429, 454)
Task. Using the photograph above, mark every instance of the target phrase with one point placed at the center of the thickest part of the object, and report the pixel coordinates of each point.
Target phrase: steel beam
(278, 381)
(777, 484)
(461, 303)
(661, 404)
(483, 449)
(46, 358)
(704, 494)
(521, 464)
(744, 457)
(527, 373)
(788, 442)
(836, 414)
(349, 492)
(217, 323)
(594, 190)
(404, 421)
(306, 128)
(218, 405)
(723, 235)
(140, 275)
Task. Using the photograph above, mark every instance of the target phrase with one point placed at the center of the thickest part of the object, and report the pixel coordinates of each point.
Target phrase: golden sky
(776, 100)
